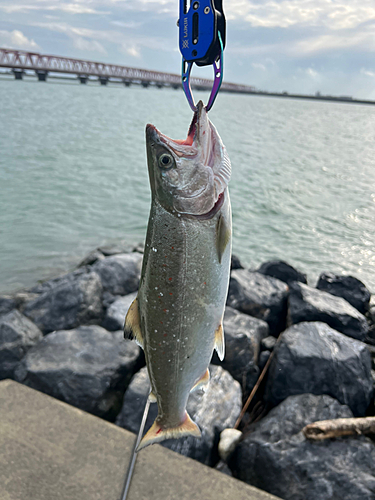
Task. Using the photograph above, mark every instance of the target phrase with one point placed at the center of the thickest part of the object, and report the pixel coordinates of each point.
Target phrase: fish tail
(156, 433)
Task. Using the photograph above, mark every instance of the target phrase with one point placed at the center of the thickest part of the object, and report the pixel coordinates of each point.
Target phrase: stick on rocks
(326, 429)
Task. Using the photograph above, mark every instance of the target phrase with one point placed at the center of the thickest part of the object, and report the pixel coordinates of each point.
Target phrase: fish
(177, 317)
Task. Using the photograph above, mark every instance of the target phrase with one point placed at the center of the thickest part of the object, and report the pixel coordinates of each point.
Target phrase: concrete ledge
(52, 451)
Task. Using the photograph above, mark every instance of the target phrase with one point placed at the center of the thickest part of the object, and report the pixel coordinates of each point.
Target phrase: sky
(303, 46)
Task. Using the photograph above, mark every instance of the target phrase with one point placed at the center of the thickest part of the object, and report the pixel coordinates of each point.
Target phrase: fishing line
(129, 474)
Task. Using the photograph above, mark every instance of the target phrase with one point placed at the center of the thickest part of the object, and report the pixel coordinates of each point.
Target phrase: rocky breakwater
(64, 337)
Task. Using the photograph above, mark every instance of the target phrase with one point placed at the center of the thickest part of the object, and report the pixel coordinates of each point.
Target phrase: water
(73, 176)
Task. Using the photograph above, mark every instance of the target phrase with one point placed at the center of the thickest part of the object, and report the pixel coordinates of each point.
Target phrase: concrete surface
(52, 451)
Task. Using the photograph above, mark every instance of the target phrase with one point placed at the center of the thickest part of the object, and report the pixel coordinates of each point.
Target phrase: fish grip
(202, 36)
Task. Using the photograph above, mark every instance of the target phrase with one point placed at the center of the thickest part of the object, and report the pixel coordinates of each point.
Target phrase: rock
(268, 343)
(263, 358)
(118, 248)
(91, 258)
(7, 304)
(371, 314)
(213, 411)
(229, 438)
(260, 296)
(120, 273)
(282, 271)
(17, 335)
(314, 358)
(347, 287)
(139, 247)
(221, 466)
(243, 335)
(309, 304)
(86, 367)
(116, 312)
(66, 302)
(235, 262)
(278, 458)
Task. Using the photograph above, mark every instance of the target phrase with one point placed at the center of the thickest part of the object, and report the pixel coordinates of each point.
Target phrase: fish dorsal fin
(219, 341)
(202, 382)
(223, 234)
(132, 329)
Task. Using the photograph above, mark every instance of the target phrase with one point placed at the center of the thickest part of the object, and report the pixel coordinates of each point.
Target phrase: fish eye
(165, 160)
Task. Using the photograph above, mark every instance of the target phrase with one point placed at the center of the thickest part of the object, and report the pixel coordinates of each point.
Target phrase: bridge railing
(23, 60)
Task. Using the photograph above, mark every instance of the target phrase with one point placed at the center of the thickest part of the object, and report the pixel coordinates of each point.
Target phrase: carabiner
(218, 78)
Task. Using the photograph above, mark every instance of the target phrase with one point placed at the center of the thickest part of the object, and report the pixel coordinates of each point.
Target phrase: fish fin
(202, 382)
(156, 433)
(152, 397)
(132, 328)
(219, 342)
(223, 234)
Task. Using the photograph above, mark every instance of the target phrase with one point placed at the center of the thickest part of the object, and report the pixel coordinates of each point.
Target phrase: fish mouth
(198, 133)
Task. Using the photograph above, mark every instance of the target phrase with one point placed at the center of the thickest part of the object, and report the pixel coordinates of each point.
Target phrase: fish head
(188, 177)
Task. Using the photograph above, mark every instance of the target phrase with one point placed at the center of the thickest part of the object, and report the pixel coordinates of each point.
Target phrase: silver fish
(177, 317)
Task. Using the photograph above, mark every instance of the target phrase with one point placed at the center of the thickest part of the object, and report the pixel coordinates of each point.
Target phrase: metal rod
(130, 471)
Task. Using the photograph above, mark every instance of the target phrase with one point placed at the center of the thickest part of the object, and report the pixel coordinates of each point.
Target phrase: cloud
(258, 66)
(128, 43)
(17, 40)
(342, 14)
(89, 45)
(366, 72)
(363, 40)
(70, 8)
(312, 73)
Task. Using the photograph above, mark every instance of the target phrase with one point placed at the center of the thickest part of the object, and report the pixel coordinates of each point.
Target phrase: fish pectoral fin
(202, 382)
(219, 342)
(132, 328)
(156, 433)
(223, 234)
(152, 397)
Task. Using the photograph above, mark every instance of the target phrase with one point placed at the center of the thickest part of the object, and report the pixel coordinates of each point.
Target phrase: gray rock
(221, 466)
(17, 335)
(347, 287)
(91, 258)
(120, 273)
(213, 411)
(260, 296)
(371, 314)
(87, 367)
(268, 343)
(235, 262)
(314, 358)
(116, 312)
(263, 358)
(115, 249)
(229, 438)
(243, 335)
(277, 458)
(282, 271)
(309, 304)
(66, 302)
(7, 304)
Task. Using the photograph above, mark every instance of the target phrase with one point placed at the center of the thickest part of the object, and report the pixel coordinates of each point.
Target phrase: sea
(73, 176)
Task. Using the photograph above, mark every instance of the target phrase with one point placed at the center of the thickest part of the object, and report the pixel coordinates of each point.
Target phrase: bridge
(19, 62)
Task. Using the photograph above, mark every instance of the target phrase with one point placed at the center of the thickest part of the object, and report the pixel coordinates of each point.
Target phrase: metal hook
(218, 78)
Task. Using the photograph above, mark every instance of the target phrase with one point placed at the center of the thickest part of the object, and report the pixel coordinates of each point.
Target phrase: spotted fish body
(177, 316)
